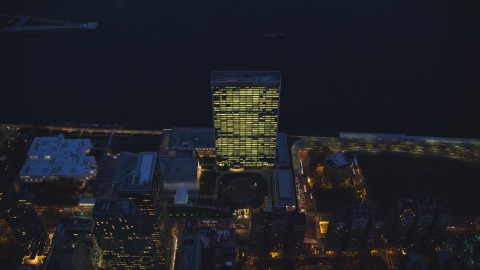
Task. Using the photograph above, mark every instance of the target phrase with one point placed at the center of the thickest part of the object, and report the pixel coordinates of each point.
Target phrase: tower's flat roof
(179, 170)
(283, 157)
(254, 76)
(191, 138)
(135, 171)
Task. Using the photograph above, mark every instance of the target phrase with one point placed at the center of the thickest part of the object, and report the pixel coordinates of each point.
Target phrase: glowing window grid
(246, 122)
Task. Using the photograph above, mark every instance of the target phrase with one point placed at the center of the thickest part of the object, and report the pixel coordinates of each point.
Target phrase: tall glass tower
(245, 116)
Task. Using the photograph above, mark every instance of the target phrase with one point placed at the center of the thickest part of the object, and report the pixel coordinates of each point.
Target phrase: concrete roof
(190, 253)
(179, 170)
(284, 189)
(191, 138)
(338, 159)
(135, 171)
(282, 155)
(115, 205)
(181, 196)
(56, 156)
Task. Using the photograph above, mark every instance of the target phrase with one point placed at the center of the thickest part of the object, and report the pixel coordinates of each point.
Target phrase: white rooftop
(181, 196)
(46, 146)
(146, 167)
(58, 157)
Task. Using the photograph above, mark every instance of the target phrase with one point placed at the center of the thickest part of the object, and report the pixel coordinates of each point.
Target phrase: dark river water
(389, 66)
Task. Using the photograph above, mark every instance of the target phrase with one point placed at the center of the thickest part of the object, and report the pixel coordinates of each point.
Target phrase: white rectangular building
(57, 157)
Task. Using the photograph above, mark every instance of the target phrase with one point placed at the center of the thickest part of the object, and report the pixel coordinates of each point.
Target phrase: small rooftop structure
(337, 168)
(284, 190)
(57, 157)
(339, 160)
(180, 173)
(135, 171)
(181, 196)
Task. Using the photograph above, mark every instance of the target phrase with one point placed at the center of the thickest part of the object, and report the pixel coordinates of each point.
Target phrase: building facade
(138, 178)
(279, 234)
(245, 116)
(354, 229)
(75, 246)
(416, 222)
(400, 222)
(277, 231)
(298, 233)
(261, 222)
(124, 234)
(20, 215)
(358, 227)
(376, 227)
(336, 231)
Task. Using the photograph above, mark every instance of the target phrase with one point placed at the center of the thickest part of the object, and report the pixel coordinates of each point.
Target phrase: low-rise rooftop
(135, 171)
(192, 138)
(181, 196)
(58, 157)
(179, 173)
(284, 190)
(339, 160)
(282, 156)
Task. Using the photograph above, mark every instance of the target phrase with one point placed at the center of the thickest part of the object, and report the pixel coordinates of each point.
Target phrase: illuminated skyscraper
(137, 177)
(245, 115)
(124, 234)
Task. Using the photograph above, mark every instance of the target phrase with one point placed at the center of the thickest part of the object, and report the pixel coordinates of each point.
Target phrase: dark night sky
(390, 66)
